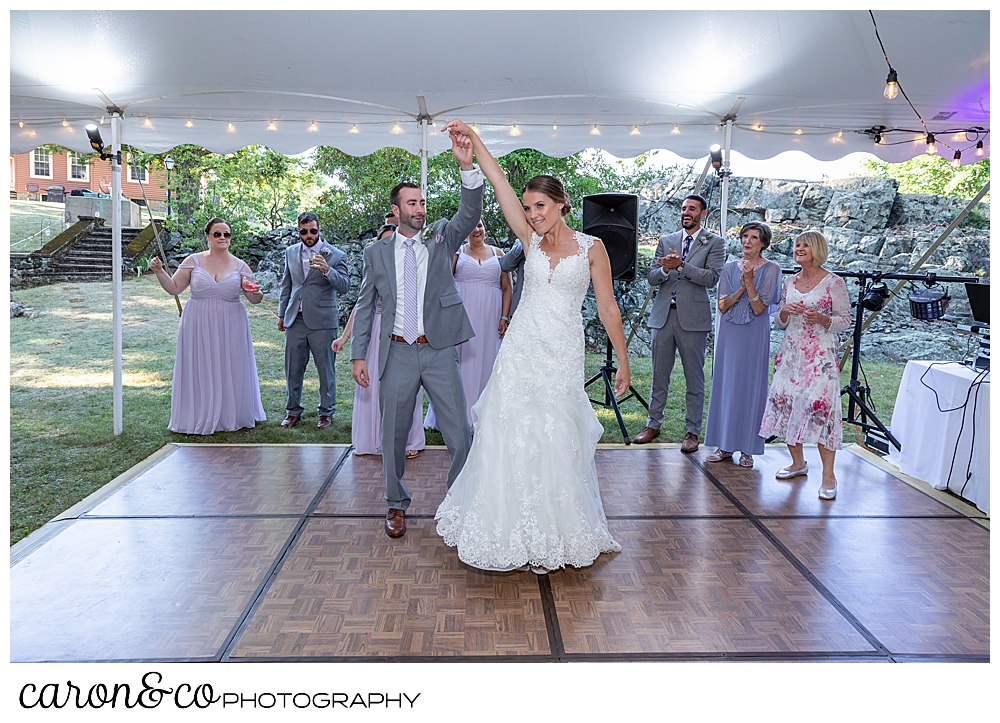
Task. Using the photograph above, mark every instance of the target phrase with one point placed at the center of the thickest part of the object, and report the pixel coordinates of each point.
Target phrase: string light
(396, 130)
(475, 129)
(758, 127)
(595, 131)
(979, 148)
(20, 124)
(555, 128)
(147, 124)
(798, 132)
(957, 160)
(676, 130)
(635, 131)
(313, 127)
(271, 126)
(514, 130)
(931, 148)
(354, 128)
(231, 128)
(891, 85)
(102, 121)
(65, 123)
(189, 124)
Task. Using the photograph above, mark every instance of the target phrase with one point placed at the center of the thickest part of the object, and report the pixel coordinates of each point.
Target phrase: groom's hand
(359, 370)
(461, 146)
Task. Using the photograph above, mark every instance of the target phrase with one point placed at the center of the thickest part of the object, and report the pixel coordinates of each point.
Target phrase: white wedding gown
(528, 493)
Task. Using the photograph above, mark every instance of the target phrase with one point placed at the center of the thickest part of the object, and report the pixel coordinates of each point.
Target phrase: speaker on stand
(614, 218)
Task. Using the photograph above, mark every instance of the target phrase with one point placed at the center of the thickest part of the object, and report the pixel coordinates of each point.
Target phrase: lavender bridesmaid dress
(479, 286)
(215, 387)
(366, 421)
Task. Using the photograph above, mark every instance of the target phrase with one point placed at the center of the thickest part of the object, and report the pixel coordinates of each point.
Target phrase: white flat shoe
(787, 473)
(828, 494)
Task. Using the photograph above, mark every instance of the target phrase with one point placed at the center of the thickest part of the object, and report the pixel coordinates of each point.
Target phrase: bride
(528, 496)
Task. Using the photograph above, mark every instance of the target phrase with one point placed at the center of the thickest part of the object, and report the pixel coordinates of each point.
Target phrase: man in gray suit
(688, 263)
(422, 320)
(513, 262)
(315, 272)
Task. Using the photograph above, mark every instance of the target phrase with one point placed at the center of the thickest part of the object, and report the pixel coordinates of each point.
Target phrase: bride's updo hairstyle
(551, 187)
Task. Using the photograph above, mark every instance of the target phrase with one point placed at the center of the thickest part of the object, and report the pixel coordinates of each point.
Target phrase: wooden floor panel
(226, 480)
(359, 487)
(862, 488)
(695, 586)
(348, 590)
(651, 482)
(920, 586)
(139, 589)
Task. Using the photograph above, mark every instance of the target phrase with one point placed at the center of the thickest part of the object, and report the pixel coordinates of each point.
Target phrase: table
(929, 436)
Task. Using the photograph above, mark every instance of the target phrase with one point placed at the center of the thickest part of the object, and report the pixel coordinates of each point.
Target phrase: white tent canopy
(640, 79)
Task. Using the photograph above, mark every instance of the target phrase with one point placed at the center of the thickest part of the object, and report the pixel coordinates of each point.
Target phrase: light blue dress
(742, 357)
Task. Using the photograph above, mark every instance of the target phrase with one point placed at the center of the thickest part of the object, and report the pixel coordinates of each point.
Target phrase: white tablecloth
(929, 437)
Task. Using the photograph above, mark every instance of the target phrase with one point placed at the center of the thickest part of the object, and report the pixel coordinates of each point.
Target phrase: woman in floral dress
(803, 404)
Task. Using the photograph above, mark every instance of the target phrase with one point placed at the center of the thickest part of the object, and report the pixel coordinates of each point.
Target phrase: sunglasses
(221, 234)
(308, 231)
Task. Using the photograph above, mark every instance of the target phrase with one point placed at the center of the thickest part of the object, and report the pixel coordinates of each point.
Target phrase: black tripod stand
(607, 373)
(872, 295)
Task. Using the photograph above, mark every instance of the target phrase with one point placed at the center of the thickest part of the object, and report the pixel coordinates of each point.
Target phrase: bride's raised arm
(510, 204)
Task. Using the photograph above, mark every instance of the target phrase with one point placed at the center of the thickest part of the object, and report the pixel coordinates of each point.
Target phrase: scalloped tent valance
(556, 81)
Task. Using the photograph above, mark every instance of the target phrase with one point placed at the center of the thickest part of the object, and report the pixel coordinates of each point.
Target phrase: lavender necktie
(410, 292)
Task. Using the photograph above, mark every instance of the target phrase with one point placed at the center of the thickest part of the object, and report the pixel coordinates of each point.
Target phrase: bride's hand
(623, 380)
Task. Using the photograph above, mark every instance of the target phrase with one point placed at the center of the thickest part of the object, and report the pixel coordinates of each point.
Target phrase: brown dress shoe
(395, 523)
(646, 436)
(290, 421)
(690, 443)
(325, 420)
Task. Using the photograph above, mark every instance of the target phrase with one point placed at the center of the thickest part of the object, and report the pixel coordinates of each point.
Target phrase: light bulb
(231, 128)
(396, 130)
(354, 128)
(65, 122)
(635, 131)
(271, 126)
(514, 130)
(979, 148)
(555, 128)
(147, 124)
(798, 132)
(102, 121)
(676, 130)
(891, 85)
(595, 131)
(313, 127)
(20, 124)
(189, 124)
(931, 148)
(957, 160)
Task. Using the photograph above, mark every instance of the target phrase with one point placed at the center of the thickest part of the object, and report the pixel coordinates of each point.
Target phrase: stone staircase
(89, 259)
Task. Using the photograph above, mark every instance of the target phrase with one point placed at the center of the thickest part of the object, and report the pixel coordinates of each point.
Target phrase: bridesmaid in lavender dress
(215, 387)
(366, 420)
(486, 293)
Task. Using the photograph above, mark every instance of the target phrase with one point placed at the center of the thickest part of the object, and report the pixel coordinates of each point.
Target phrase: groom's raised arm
(470, 205)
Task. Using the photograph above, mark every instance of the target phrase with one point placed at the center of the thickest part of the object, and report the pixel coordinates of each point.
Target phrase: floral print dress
(803, 403)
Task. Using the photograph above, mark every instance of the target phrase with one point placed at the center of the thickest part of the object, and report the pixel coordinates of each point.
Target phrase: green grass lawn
(29, 217)
(62, 445)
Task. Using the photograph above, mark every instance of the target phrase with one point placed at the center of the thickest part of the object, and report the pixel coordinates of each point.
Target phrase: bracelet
(505, 318)
(756, 298)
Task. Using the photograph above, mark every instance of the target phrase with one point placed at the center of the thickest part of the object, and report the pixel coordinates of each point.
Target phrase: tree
(933, 174)
(357, 204)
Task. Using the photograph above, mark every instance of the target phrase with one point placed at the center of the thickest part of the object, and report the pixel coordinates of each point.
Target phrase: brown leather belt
(420, 339)
(673, 304)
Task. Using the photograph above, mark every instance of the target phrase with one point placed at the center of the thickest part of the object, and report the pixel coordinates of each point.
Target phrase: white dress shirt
(305, 253)
(470, 179)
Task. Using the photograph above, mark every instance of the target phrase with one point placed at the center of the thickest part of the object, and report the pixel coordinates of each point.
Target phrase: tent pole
(116, 264)
(423, 158)
(725, 180)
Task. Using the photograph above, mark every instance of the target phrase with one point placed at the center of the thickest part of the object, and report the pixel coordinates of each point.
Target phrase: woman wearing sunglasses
(215, 386)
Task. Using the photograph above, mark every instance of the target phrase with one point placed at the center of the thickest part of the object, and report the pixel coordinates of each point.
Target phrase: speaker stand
(607, 373)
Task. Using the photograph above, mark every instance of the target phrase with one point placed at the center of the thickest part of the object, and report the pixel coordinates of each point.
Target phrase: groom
(422, 320)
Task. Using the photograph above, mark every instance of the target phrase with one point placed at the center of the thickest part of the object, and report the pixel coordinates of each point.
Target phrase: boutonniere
(325, 250)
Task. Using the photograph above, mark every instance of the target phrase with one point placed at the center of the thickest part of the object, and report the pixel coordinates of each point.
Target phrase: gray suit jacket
(513, 261)
(700, 273)
(318, 293)
(445, 321)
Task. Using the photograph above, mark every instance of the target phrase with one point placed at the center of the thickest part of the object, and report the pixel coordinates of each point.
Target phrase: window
(79, 169)
(136, 175)
(41, 164)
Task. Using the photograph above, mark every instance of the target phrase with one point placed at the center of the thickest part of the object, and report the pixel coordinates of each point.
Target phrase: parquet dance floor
(276, 553)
